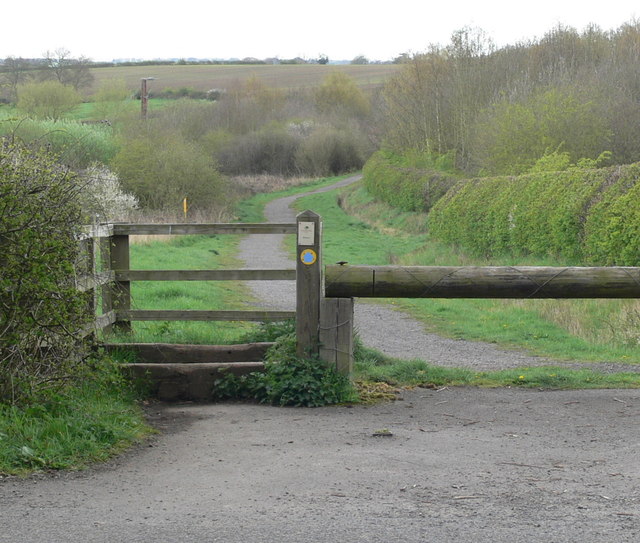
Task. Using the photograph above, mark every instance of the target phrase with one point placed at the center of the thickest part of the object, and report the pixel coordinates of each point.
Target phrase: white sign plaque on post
(306, 233)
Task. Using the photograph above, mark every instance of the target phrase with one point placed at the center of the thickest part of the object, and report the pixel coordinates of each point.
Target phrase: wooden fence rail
(482, 282)
(115, 276)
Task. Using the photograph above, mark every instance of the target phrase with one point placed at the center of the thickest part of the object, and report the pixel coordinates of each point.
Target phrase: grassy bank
(82, 424)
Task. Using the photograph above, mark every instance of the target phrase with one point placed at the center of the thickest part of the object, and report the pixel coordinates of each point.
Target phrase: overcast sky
(341, 29)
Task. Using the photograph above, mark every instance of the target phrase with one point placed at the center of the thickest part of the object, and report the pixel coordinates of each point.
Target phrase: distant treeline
(498, 111)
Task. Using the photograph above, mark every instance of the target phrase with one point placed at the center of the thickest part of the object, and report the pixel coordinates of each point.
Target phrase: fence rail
(482, 282)
(116, 276)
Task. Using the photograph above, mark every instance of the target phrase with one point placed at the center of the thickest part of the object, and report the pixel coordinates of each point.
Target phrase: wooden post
(87, 270)
(121, 292)
(336, 333)
(308, 282)
(107, 289)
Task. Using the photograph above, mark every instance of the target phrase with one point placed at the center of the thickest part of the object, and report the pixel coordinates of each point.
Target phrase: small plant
(289, 380)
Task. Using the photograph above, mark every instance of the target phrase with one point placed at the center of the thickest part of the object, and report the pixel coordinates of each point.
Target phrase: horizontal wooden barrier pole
(196, 315)
(213, 228)
(481, 282)
(205, 275)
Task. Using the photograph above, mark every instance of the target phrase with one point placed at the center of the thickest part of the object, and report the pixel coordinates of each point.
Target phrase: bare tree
(75, 72)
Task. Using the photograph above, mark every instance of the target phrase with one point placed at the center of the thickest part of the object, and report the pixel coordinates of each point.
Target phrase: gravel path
(381, 327)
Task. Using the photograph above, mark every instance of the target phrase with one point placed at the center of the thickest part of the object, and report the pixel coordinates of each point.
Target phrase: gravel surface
(381, 326)
(456, 465)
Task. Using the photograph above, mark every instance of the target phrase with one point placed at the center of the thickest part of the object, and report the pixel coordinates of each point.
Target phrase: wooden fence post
(107, 288)
(120, 296)
(336, 333)
(308, 282)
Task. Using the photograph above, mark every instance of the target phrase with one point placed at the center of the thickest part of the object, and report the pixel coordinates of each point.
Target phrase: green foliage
(84, 423)
(161, 169)
(47, 99)
(111, 99)
(338, 94)
(580, 215)
(76, 145)
(289, 380)
(41, 312)
(511, 137)
(411, 181)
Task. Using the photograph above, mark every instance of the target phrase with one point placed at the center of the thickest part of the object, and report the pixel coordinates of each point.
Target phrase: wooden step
(171, 353)
(172, 382)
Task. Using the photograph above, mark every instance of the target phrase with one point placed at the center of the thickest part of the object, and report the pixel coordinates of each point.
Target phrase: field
(205, 77)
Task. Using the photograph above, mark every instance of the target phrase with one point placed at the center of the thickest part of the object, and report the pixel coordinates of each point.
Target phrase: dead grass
(255, 184)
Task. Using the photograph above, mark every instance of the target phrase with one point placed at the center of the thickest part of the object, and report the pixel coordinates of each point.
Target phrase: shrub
(102, 197)
(412, 181)
(48, 99)
(269, 150)
(289, 380)
(41, 312)
(582, 215)
(330, 151)
(161, 169)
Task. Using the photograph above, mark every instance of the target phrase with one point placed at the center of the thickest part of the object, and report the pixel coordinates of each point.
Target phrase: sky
(339, 29)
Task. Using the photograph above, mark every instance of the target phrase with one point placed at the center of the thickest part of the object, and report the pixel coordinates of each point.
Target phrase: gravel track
(381, 327)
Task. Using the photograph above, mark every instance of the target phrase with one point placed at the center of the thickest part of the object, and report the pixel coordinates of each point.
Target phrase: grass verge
(85, 423)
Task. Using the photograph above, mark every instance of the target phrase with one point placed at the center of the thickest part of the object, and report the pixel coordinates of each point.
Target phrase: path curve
(381, 327)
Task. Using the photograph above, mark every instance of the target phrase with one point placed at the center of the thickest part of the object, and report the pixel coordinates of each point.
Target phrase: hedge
(587, 216)
(410, 181)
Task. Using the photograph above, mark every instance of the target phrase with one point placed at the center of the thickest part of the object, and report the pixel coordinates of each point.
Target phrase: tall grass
(87, 423)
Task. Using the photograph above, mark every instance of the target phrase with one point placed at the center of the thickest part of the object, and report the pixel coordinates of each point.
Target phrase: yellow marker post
(185, 208)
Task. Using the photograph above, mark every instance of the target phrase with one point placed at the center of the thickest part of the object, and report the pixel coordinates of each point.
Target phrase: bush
(41, 312)
(102, 197)
(269, 150)
(330, 151)
(289, 380)
(48, 99)
(161, 169)
(582, 215)
(411, 181)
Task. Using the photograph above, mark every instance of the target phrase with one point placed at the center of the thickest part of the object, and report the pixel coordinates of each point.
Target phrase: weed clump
(288, 380)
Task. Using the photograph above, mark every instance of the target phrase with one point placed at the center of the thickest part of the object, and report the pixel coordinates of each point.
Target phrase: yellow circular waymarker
(308, 257)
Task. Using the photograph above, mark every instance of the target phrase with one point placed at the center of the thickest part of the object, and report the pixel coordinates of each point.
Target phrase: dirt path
(455, 465)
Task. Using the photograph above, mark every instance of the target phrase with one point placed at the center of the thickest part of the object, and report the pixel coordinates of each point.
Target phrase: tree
(360, 59)
(48, 99)
(323, 59)
(339, 94)
(60, 65)
(15, 72)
